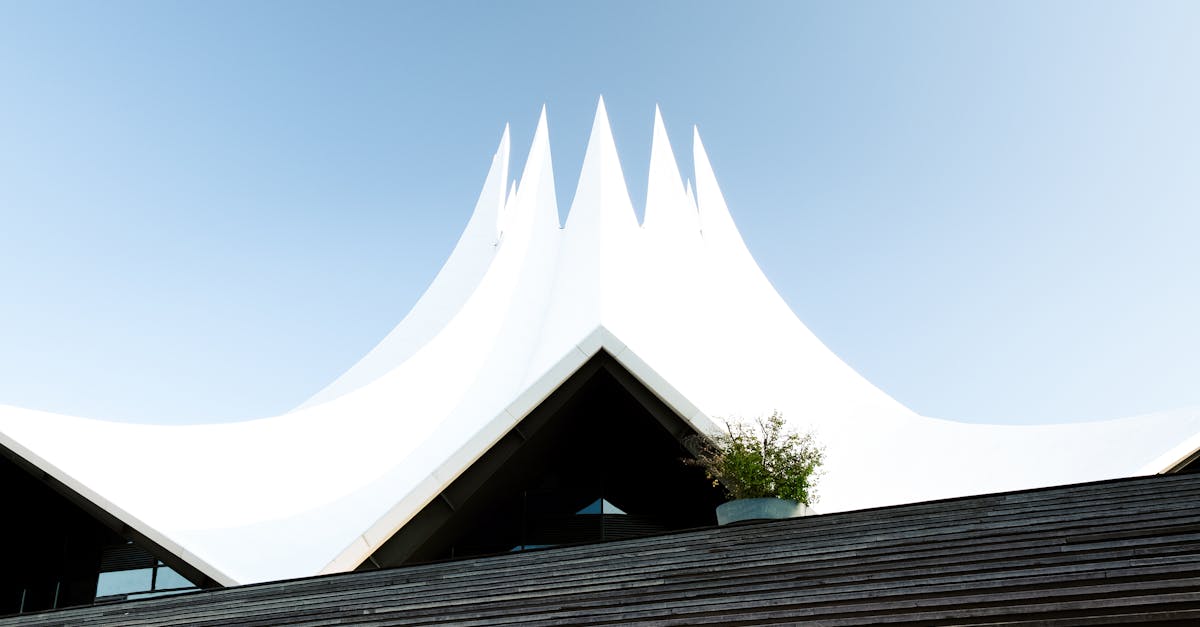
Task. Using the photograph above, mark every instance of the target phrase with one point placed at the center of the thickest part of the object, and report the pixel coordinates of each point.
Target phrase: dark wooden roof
(1109, 552)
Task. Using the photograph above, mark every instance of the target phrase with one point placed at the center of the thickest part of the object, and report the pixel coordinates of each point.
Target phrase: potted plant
(768, 471)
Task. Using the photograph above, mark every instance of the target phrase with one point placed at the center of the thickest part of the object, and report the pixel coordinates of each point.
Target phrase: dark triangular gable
(600, 435)
(58, 542)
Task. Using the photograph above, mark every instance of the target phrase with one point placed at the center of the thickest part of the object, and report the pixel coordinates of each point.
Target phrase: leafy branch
(759, 458)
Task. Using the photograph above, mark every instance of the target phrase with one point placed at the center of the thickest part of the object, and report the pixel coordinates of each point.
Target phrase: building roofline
(599, 341)
(189, 564)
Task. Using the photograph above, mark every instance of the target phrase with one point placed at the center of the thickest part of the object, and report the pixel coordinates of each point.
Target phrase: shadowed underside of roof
(1121, 551)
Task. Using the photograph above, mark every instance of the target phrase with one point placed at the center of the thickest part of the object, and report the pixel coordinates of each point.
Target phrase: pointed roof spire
(601, 116)
(537, 179)
(539, 148)
(666, 208)
(601, 190)
(505, 149)
(715, 220)
(691, 197)
(497, 175)
(716, 223)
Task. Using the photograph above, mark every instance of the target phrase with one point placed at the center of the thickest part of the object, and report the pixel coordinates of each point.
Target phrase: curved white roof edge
(520, 304)
(1176, 455)
(453, 284)
(116, 512)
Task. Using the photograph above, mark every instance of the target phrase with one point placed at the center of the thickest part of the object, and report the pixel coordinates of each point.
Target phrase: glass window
(124, 582)
(601, 506)
(168, 579)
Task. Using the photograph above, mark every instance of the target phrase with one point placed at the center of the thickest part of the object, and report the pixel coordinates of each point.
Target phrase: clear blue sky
(209, 210)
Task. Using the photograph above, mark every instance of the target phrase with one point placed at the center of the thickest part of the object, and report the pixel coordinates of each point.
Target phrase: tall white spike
(536, 238)
(501, 157)
(691, 199)
(667, 208)
(505, 143)
(596, 247)
(512, 195)
(537, 179)
(601, 195)
(715, 221)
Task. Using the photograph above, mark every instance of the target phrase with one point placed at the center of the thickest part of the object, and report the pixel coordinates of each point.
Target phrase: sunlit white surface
(519, 306)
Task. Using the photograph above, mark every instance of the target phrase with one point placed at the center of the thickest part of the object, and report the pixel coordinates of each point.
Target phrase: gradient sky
(210, 210)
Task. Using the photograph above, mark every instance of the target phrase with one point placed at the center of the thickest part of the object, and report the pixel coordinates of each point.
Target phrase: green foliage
(759, 458)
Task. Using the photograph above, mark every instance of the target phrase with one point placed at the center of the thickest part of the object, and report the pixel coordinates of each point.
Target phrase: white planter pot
(742, 510)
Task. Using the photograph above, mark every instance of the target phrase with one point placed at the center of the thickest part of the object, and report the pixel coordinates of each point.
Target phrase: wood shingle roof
(1110, 552)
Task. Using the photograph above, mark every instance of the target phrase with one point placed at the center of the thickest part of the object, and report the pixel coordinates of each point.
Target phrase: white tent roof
(519, 306)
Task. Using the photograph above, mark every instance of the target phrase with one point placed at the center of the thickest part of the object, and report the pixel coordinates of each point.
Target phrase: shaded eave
(200, 572)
